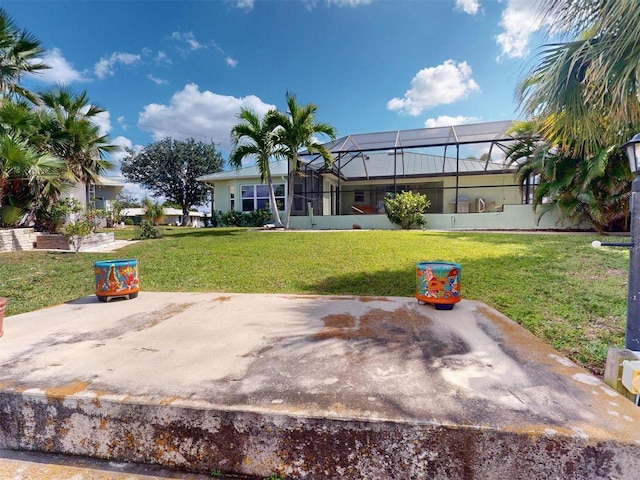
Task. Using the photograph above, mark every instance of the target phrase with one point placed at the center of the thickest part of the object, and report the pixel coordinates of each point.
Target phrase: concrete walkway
(308, 387)
(39, 466)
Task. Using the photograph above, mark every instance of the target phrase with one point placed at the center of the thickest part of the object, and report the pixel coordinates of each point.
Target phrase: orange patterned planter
(116, 278)
(438, 283)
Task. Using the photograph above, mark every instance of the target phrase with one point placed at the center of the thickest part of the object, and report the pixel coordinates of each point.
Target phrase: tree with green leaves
(406, 208)
(169, 168)
(592, 189)
(296, 130)
(69, 126)
(582, 101)
(254, 138)
(20, 53)
(25, 175)
(592, 76)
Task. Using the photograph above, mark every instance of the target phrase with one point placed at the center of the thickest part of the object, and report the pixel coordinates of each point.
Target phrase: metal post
(632, 337)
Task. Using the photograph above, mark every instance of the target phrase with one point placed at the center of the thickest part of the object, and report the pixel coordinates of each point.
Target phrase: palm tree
(28, 172)
(254, 138)
(19, 54)
(577, 82)
(295, 130)
(153, 211)
(68, 124)
(24, 175)
(593, 189)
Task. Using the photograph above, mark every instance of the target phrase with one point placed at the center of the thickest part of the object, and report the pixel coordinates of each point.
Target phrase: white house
(461, 170)
(171, 216)
(97, 195)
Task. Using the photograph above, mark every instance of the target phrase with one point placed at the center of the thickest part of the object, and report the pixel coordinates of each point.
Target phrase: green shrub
(258, 218)
(406, 208)
(9, 215)
(148, 230)
(232, 218)
(128, 221)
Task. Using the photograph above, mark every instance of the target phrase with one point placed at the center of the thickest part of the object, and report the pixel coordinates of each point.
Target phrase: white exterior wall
(221, 192)
(327, 183)
(77, 191)
(221, 196)
(503, 212)
(514, 217)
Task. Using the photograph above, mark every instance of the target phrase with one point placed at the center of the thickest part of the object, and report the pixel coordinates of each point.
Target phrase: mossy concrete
(308, 387)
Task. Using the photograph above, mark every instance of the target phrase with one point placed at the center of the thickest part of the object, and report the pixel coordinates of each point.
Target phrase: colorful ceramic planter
(116, 278)
(438, 283)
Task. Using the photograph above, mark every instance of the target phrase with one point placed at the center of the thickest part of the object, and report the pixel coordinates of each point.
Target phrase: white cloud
(447, 121)
(105, 67)
(189, 38)
(205, 116)
(103, 121)
(157, 81)
(122, 122)
(520, 19)
(311, 4)
(468, 6)
(246, 5)
(193, 44)
(348, 3)
(130, 189)
(123, 143)
(433, 86)
(162, 57)
(61, 70)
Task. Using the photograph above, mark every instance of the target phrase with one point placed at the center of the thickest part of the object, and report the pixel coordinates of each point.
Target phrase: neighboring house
(171, 216)
(98, 195)
(465, 192)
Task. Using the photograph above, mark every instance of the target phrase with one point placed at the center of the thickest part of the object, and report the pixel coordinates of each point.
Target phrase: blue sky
(185, 68)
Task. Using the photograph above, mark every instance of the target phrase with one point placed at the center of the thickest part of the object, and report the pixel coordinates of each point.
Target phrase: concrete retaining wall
(63, 242)
(16, 239)
(200, 439)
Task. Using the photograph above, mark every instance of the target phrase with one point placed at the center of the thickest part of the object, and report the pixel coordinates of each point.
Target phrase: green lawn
(558, 286)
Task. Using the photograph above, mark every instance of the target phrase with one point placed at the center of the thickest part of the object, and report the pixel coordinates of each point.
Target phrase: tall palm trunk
(272, 202)
(293, 162)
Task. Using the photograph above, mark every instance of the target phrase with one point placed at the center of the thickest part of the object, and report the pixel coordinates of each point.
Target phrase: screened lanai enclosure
(461, 169)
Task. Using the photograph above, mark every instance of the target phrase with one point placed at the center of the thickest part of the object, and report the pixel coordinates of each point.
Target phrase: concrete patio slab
(308, 387)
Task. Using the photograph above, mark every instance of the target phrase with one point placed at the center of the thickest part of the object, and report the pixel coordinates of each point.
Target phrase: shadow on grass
(201, 232)
(507, 237)
(380, 283)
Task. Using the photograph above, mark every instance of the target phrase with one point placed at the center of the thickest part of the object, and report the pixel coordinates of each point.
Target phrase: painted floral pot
(438, 283)
(3, 307)
(116, 278)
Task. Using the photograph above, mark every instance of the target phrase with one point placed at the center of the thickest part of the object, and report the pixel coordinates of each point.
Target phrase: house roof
(387, 154)
(108, 182)
(487, 132)
(139, 212)
(388, 164)
(375, 165)
(278, 168)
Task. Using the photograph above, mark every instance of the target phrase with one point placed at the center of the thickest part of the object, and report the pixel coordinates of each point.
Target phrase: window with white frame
(256, 197)
(232, 197)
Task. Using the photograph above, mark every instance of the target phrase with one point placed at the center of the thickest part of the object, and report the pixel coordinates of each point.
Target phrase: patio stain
(220, 299)
(403, 326)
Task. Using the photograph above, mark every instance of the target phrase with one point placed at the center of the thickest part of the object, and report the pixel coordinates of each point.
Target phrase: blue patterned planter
(438, 283)
(116, 278)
